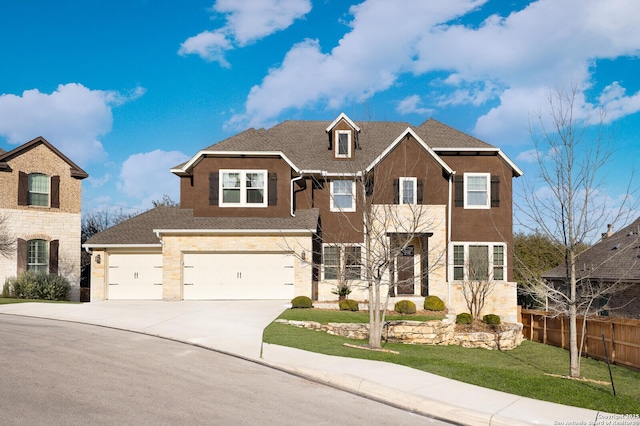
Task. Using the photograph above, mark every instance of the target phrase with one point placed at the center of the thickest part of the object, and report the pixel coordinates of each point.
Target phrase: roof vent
(616, 247)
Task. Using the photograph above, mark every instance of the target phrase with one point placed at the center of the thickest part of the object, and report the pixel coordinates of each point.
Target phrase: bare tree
(479, 282)
(566, 204)
(388, 231)
(7, 242)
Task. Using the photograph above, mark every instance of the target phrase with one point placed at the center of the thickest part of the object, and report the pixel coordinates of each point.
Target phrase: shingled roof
(141, 230)
(614, 258)
(306, 143)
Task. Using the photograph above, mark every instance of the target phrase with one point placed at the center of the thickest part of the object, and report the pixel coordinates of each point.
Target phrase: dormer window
(343, 144)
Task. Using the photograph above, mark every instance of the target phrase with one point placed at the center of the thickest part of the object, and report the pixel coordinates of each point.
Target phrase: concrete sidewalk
(211, 324)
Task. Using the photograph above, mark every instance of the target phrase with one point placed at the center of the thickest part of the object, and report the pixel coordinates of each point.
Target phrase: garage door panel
(238, 276)
(135, 276)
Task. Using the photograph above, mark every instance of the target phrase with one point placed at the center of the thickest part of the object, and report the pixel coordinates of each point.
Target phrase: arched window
(38, 188)
(38, 256)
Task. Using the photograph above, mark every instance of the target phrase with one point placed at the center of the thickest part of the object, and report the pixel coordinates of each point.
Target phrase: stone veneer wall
(47, 225)
(418, 332)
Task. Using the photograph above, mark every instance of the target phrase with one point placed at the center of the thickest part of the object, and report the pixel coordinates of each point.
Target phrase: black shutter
(213, 188)
(420, 192)
(53, 256)
(22, 255)
(23, 189)
(495, 191)
(55, 192)
(273, 189)
(396, 191)
(459, 191)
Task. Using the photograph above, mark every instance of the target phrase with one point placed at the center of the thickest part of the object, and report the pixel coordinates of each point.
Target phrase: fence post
(562, 330)
(613, 342)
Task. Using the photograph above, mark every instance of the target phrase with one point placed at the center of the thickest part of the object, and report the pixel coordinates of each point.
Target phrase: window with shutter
(245, 188)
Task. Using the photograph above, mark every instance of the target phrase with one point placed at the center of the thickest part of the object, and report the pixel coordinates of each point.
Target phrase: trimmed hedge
(36, 285)
(302, 302)
(464, 318)
(348, 305)
(433, 303)
(405, 307)
(491, 319)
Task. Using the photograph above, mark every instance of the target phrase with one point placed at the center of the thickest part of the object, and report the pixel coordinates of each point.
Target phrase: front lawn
(526, 370)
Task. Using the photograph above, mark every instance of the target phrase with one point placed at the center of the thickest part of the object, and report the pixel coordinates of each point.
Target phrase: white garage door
(238, 276)
(135, 276)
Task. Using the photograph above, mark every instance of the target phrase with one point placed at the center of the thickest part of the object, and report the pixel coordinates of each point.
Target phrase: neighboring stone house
(276, 213)
(40, 200)
(614, 260)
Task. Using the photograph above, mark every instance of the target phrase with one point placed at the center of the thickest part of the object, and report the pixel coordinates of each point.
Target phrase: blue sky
(129, 88)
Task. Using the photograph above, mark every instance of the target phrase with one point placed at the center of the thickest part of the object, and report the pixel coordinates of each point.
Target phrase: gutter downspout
(449, 213)
(295, 179)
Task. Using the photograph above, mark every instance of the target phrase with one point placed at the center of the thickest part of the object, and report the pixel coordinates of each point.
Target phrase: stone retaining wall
(421, 332)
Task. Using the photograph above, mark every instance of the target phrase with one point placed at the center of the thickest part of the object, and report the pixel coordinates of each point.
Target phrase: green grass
(523, 371)
(9, 300)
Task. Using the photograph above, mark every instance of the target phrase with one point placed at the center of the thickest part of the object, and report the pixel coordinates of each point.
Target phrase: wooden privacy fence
(622, 336)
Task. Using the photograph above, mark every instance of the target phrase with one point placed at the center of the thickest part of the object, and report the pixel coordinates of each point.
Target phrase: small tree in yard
(567, 206)
(479, 283)
(387, 231)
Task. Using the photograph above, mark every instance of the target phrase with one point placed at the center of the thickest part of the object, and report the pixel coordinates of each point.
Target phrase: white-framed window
(243, 188)
(343, 144)
(408, 188)
(343, 196)
(477, 190)
(38, 190)
(478, 261)
(37, 256)
(342, 261)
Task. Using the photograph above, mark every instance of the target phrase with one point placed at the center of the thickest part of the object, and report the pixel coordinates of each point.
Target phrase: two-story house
(40, 202)
(304, 206)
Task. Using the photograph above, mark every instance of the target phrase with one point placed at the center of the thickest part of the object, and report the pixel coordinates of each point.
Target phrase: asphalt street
(63, 373)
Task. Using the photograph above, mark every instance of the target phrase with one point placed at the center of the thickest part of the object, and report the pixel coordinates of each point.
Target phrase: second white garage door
(238, 276)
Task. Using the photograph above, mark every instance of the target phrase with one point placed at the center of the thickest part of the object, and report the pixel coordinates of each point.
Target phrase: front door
(405, 267)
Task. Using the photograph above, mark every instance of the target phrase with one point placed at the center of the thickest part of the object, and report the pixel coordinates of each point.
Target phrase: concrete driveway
(232, 326)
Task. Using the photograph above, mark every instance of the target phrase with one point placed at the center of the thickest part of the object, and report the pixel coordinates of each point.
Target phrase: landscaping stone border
(440, 332)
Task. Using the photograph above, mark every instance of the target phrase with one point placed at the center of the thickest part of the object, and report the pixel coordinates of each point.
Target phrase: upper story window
(477, 193)
(343, 196)
(343, 144)
(408, 190)
(37, 256)
(479, 262)
(38, 190)
(243, 188)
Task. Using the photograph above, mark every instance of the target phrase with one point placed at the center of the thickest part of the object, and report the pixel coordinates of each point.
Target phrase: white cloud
(210, 46)
(511, 61)
(72, 118)
(529, 156)
(146, 177)
(247, 22)
(412, 105)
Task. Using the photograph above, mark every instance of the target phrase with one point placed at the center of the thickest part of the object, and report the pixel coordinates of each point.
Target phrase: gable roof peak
(76, 171)
(341, 117)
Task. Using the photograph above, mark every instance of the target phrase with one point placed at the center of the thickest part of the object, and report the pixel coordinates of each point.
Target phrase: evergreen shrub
(405, 307)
